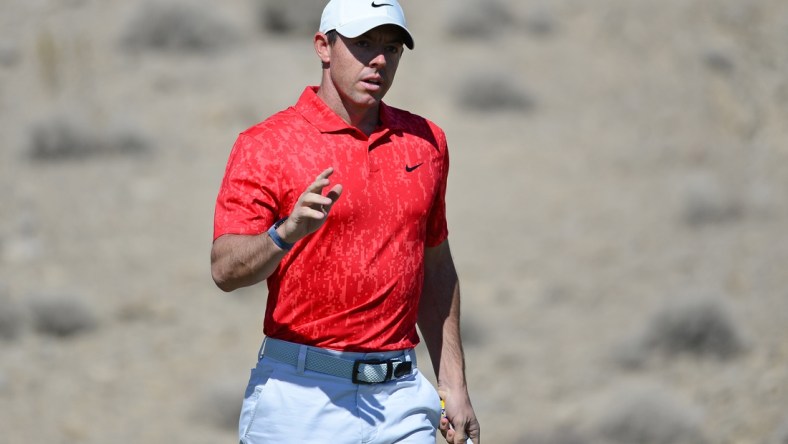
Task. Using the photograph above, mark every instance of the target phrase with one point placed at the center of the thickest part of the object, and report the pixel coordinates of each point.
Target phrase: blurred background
(617, 212)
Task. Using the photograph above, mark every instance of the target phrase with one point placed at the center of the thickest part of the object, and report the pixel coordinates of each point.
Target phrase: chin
(368, 99)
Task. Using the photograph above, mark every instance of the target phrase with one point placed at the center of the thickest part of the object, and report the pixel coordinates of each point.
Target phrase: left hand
(460, 422)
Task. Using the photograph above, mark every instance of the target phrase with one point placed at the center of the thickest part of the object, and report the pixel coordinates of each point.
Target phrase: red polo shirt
(354, 284)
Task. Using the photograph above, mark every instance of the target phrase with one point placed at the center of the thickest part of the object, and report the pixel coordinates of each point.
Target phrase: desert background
(617, 212)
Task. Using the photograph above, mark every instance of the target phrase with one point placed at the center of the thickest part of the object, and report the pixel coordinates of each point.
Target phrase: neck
(365, 118)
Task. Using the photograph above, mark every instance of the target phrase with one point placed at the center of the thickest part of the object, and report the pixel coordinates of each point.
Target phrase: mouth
(373, 83)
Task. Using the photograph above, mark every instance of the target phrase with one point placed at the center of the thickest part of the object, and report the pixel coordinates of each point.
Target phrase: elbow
(221, 272)
(224, 286)
(222, 279)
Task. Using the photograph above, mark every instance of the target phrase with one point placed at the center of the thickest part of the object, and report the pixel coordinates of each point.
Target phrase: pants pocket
(430, 395)
(254, 390)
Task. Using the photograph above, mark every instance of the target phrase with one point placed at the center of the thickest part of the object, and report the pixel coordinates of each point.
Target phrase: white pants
(283, 405)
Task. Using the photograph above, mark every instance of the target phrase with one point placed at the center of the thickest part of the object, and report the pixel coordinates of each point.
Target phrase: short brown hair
(332, 36)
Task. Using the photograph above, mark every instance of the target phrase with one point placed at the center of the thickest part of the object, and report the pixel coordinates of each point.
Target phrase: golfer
(338, 202)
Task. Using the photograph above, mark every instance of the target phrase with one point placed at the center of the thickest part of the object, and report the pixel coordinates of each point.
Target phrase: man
(338, 202)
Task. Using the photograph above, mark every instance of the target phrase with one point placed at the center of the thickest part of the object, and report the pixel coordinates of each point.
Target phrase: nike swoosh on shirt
(378, 5)
(411, 168)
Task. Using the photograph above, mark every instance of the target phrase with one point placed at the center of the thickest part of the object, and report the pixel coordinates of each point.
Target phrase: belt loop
(410, 356)
(262, 347)
(301, 359)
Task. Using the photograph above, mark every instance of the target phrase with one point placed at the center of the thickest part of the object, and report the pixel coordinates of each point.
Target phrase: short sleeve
(247, 202)
(437, 227)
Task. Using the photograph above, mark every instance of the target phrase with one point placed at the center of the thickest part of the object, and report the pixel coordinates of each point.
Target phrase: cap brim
(358, 27)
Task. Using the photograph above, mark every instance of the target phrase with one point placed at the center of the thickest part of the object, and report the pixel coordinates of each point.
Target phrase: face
(362, 69)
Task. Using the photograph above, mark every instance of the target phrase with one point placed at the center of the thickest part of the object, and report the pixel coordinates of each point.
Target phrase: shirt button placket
(372, 162)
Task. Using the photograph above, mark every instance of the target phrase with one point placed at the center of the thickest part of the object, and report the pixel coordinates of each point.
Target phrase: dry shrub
(61, 138)
(300, 17)
(176, 26)
(493, 92)
(126, 141)
(718, 61)
(540, 24)
(650, 416)
(478, 19)
(696, 326)
(62, 316)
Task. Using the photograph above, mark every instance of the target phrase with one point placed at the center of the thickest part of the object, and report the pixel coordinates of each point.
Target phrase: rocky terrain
(617, 210)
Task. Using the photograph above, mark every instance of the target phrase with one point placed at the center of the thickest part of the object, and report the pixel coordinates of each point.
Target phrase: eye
(362, 43)
(393, 49)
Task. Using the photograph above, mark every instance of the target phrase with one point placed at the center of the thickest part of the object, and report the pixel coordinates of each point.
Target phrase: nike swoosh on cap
(378, 5)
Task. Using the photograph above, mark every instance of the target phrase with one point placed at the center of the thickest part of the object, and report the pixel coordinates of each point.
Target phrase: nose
(378, 60)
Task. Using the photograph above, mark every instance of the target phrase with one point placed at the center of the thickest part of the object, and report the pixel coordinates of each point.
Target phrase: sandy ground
(643, 163)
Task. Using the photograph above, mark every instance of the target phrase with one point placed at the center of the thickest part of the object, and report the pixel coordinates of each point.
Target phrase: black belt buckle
(402, 369)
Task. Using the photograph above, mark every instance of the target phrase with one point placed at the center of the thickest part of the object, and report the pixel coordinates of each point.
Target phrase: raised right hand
(311, 209)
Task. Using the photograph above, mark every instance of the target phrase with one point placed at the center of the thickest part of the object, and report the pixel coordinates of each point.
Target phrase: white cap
(351, 18)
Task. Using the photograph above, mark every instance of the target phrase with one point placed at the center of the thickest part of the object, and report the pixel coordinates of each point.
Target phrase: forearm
(240, 260)
(439, 319)
(439, 322)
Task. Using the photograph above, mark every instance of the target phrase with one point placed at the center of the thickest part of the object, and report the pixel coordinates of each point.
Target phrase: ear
(322, 47)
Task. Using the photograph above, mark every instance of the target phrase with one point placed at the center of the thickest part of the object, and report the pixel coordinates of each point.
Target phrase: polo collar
(389, 118)
(316, 112)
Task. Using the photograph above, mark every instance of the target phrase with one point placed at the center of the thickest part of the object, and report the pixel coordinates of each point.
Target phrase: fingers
(321, 181)
(448, 432)
(313, 195)
(327, 172)
(455, 437)
(463, 436)
(472, 434)
(443, 426)
(315, 200)
(310, 211)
